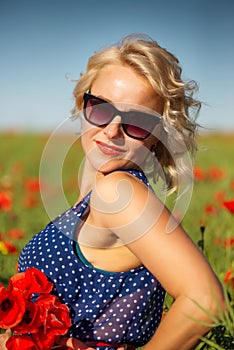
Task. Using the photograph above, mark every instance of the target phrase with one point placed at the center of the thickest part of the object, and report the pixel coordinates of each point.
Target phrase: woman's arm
(186, 275)
(75, 344)
(141, 221)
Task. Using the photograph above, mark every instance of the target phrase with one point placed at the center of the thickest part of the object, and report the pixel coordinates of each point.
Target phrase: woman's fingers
(73, 344)
(3, 339)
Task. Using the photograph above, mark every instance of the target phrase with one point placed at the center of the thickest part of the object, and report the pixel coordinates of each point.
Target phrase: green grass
(214, 151)
(20, 158)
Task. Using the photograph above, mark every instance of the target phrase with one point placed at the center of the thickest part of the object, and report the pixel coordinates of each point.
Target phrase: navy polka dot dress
(110, 307)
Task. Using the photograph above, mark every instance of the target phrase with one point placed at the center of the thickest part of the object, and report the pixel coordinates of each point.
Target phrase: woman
(111, 257)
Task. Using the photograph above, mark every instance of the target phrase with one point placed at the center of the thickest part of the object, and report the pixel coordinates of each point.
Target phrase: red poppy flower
(16, 233)
(32, 185)
(229, 206)
(46, 300)
(43, 340)
(229, 278)
(31, 281)
(228, 242)
(219, 196)
(31, 320)
(211, 209)
(57, 320)
(30, 201)
(21, 342)
(12, 307)
(215, 173)
(11, 248)
(5, 201)
(199, 173)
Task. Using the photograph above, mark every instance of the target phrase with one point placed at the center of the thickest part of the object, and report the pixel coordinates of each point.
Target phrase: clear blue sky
(41, 41)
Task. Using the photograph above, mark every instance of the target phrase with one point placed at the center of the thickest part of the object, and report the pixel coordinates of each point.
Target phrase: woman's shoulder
(124, 205)
(113, 182)
(120, 195)
(117, 186)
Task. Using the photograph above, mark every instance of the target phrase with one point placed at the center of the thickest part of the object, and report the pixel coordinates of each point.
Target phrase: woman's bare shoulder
(122, 202)
(119, 184)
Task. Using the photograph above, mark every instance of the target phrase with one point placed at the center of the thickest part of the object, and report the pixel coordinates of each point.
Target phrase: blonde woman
(115, 253)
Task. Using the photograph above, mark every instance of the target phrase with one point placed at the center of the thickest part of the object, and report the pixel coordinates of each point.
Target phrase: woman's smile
(109, 149)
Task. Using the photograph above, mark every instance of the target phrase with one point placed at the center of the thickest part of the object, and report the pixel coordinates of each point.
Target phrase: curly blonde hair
(162, 70)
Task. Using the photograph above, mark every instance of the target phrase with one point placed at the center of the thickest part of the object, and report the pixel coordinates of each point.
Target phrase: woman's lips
(110, 150)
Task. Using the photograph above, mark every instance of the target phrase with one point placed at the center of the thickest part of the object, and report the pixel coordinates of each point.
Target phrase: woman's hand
(72, 344)
(75, 344)
(3, 339)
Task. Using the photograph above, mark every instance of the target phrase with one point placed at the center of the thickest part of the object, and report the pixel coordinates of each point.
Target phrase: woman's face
(109, 148)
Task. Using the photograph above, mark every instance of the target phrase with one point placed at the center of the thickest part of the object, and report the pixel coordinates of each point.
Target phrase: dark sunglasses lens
(139, 125)
(97, 112)
(135, 131)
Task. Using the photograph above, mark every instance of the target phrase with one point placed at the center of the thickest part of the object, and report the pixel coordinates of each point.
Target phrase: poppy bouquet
(34, 318)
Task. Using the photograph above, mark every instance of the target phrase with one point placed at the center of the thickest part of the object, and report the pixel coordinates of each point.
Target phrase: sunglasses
(135, 124)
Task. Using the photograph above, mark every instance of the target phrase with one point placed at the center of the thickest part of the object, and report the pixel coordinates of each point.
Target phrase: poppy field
(208, 220)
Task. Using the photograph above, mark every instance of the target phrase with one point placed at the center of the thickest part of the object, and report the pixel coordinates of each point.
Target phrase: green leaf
(211, 343)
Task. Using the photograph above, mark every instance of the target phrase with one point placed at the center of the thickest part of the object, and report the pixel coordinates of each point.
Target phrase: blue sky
(42, 41)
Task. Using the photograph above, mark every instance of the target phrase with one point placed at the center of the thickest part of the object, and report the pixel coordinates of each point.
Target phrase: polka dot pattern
(123, 307)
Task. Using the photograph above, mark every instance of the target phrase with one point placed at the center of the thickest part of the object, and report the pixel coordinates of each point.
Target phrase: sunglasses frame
(157, 118)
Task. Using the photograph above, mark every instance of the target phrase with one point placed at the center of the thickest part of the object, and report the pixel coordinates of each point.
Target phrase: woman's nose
(114, 129)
